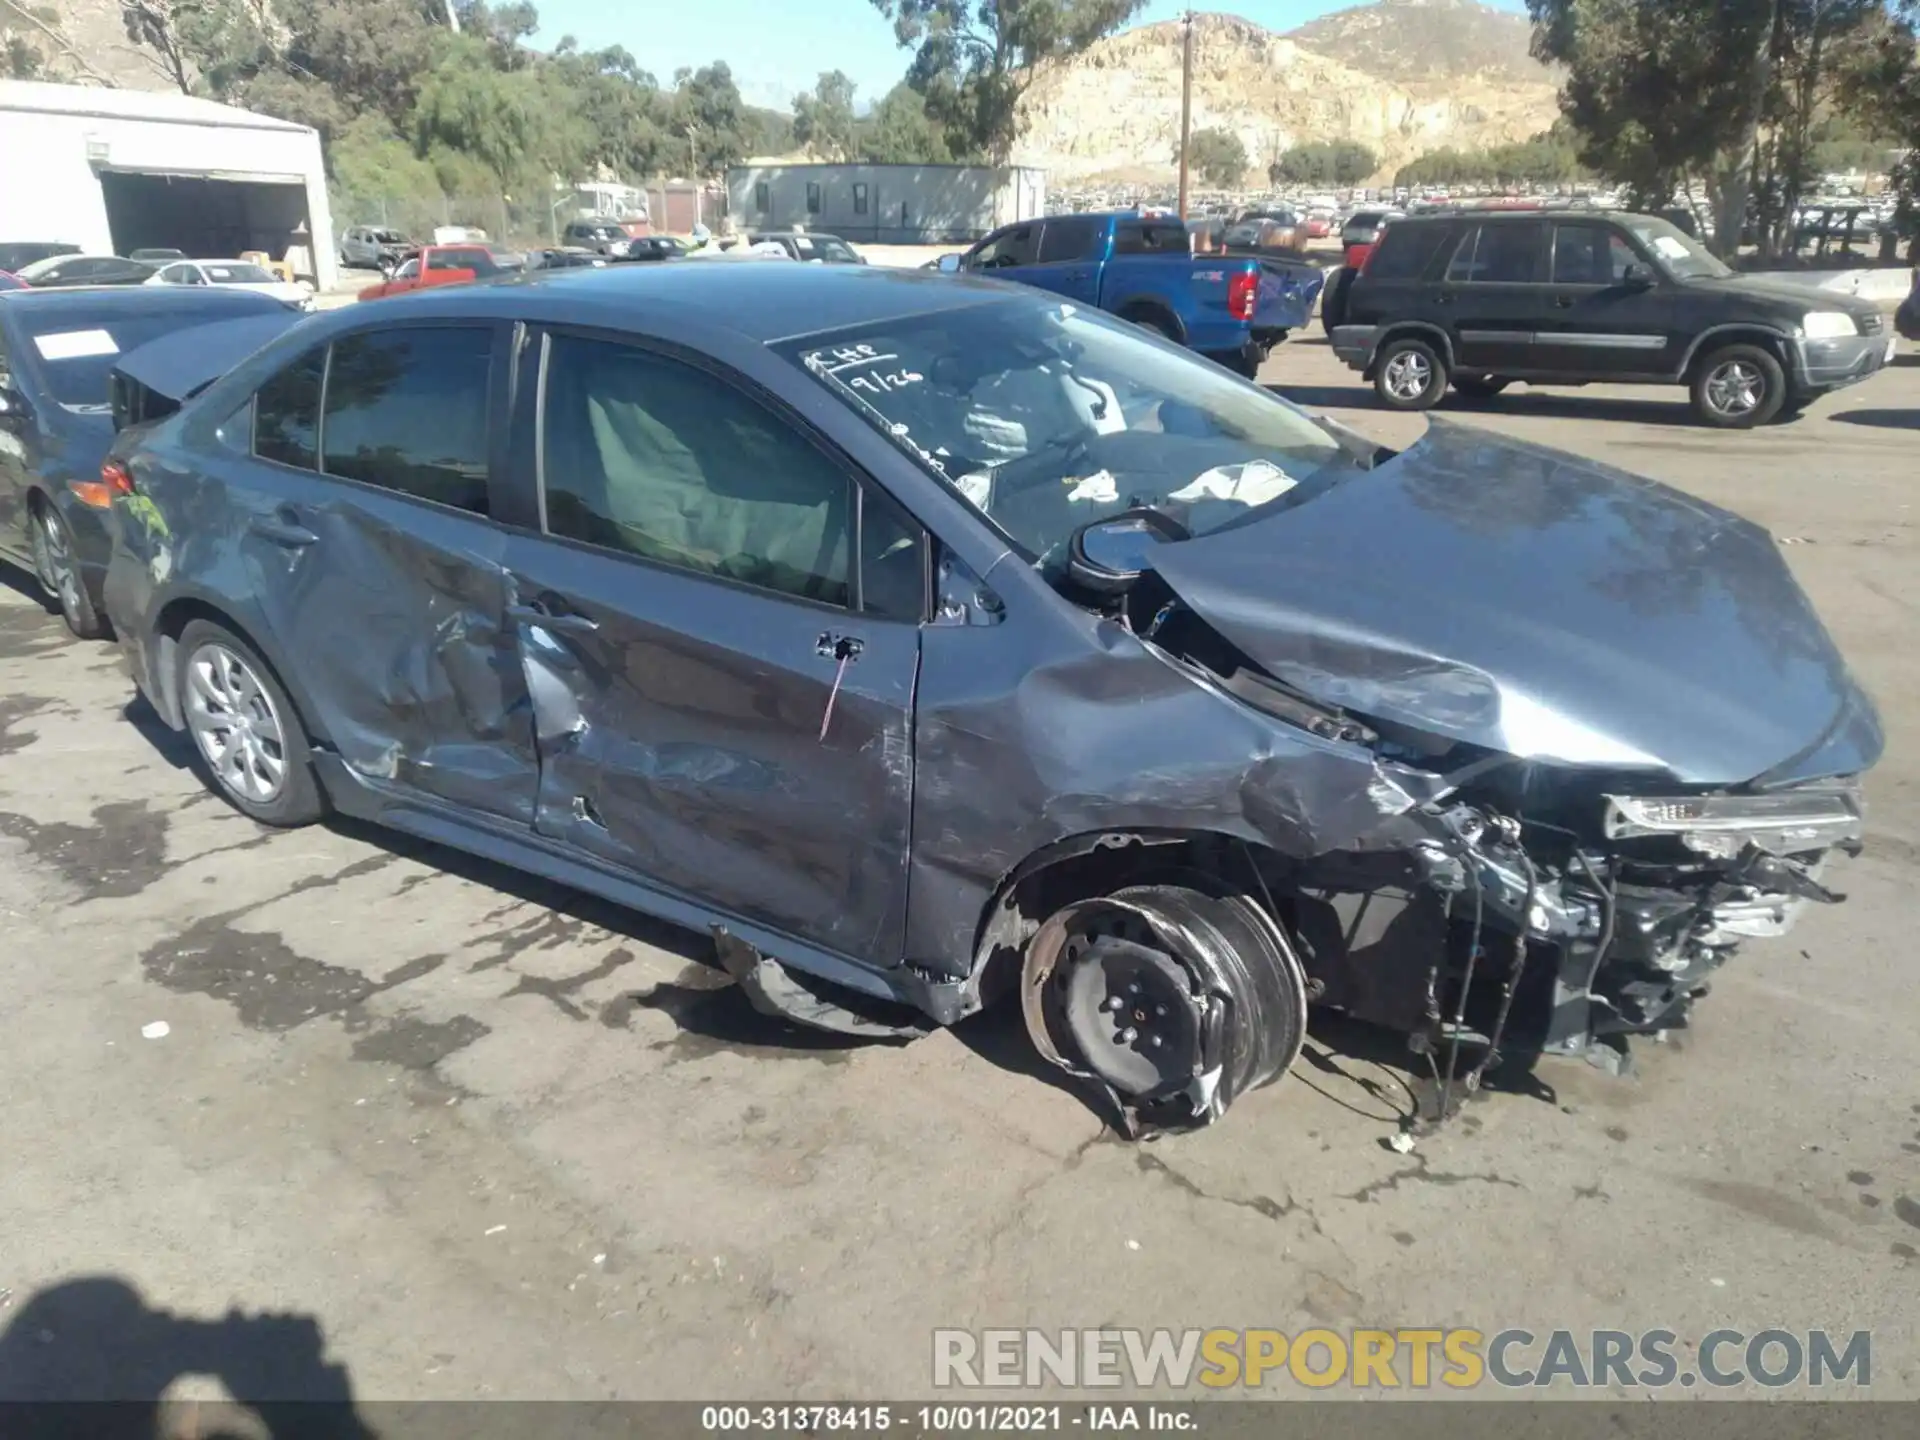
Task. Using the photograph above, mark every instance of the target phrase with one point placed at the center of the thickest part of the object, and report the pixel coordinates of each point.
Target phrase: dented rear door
(714, 711)
(373, 551)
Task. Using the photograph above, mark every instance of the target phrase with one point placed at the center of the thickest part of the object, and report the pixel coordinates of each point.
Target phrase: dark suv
(1479, 300)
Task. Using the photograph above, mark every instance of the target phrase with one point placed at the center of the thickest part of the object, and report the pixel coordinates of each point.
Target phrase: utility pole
(693, 167)
(1186, 102)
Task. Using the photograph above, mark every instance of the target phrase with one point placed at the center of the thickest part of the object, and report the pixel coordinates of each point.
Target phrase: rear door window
(1405, 251)
(407, 410)
(1497, 255)
(286, 413)
(1072, 237)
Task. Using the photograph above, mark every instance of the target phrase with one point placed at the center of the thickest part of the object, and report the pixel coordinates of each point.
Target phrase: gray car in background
(374, 247)
(58, 350)
(928, 642)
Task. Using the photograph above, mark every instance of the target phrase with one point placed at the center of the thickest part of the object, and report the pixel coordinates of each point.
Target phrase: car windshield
(1045, 417)
(236, 273)
(1678, 253)
(75, 349)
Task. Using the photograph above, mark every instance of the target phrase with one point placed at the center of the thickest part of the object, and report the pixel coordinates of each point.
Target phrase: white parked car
(236, 274)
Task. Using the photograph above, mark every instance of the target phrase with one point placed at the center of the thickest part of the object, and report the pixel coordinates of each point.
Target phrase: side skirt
(943, 1002)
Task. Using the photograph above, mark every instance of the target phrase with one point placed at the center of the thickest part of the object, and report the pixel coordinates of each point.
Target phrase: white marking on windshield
(76, 344)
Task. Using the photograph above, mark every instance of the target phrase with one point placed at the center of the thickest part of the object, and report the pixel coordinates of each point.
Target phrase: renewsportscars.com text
(1412, 1358)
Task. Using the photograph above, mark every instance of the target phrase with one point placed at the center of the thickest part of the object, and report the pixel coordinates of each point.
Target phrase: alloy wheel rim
(235, 724)
(53, 559)
(1735, 388)
(1408, 375)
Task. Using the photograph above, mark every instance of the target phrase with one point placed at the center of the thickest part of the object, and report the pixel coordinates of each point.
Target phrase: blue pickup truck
(1231, 308)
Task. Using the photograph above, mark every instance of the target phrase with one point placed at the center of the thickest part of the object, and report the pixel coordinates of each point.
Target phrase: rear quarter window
(286, 413)
(1405, 251)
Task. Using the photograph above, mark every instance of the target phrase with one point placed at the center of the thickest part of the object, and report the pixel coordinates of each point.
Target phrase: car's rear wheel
(1174, 1001)
(252, 748)
(1480, 387)
(1738, 387)
(1409, 375)
(1148, 318)
(58, 571)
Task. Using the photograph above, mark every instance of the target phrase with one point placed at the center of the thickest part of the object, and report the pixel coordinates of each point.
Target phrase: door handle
(1565, 302)
(844, 648)
(564, 623)
(1442, 298)
(284, 529)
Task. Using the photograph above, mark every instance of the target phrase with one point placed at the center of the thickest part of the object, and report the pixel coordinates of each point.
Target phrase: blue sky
(778, 47)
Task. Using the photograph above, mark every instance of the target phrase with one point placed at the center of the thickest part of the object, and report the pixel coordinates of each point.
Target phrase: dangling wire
(1466, 984)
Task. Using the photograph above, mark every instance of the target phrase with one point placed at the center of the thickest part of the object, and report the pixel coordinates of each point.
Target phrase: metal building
(885, 204)
(118, 170)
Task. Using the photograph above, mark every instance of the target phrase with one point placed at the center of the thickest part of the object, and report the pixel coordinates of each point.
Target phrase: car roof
(125, 299)
(759, 301)
(1515, 216)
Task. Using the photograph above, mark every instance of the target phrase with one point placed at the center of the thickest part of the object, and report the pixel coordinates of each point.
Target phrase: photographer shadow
(89, 1358)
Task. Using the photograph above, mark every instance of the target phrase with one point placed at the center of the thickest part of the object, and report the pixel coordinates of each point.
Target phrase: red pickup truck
(446, 265)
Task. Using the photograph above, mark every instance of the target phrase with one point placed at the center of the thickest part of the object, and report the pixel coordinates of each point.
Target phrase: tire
(1133, 1019)
(267, 772)
(1479, 387)
(1738, 387)
(1333, 300)
(1409, 374)
(1156, 322)
(58, 572)
(1243, 364)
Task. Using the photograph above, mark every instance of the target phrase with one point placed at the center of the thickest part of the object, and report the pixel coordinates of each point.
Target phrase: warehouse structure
(885, 204)
(114, 171)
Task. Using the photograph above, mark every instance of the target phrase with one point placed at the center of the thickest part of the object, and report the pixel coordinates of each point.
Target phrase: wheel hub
(1408, 376)
(1132, 1014)
(1735, 388)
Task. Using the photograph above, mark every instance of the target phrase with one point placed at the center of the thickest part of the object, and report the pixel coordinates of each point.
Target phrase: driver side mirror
(1637, 277)
(15, 411)
(948, 264)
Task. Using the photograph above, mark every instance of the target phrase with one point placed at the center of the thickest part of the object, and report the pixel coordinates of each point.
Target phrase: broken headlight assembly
(1783, 822)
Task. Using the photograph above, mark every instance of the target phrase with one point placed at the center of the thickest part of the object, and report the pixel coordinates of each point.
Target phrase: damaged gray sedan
(931, 642)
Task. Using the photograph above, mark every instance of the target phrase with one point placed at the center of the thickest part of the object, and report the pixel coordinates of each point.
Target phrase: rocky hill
(1413, 42)
(1402, 77)
(81, 42)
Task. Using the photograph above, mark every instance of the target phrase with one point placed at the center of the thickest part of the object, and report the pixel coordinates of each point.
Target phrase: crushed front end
(1554, 912)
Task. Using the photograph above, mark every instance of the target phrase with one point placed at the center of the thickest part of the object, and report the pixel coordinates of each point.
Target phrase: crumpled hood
(1533, 602)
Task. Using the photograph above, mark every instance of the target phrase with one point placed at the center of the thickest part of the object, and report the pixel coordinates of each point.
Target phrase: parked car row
(67, 266)
(930, 640)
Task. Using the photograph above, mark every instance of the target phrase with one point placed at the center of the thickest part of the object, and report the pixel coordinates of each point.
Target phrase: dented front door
(751, 751)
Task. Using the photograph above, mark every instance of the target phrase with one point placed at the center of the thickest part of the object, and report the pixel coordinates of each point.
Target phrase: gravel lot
(494, 1139)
